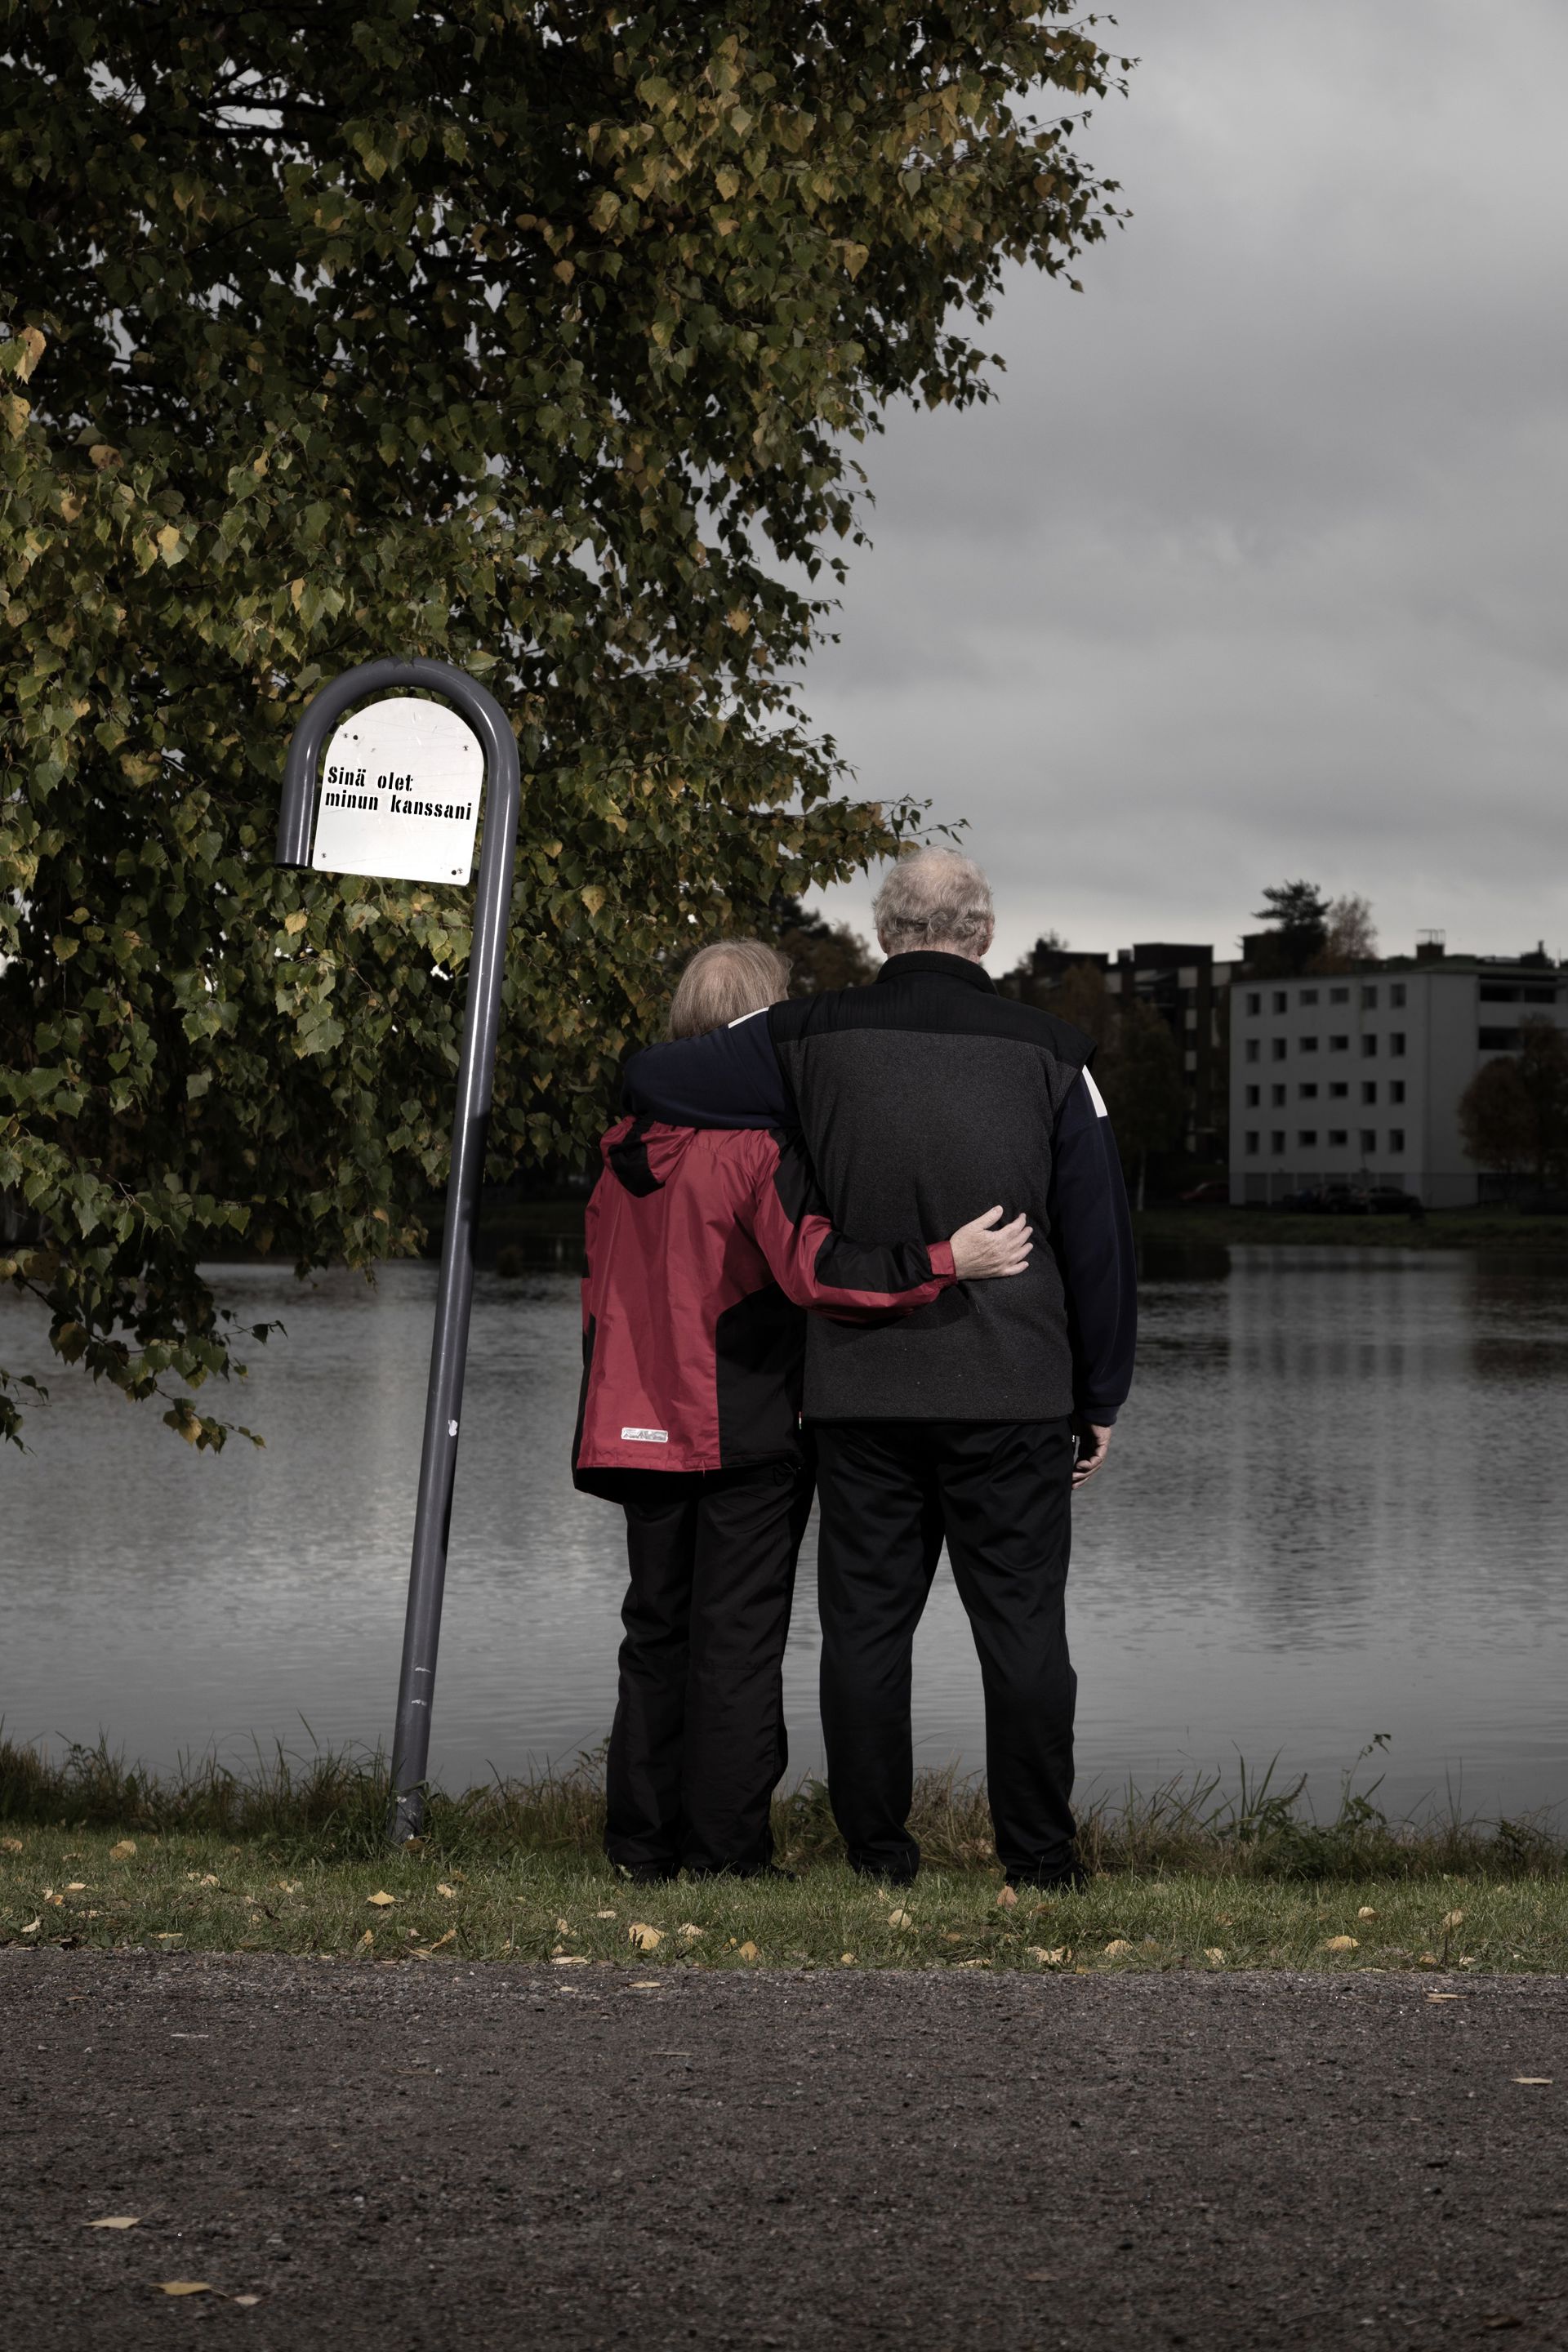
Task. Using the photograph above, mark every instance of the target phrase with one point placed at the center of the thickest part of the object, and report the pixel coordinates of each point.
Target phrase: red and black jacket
(704, 1245)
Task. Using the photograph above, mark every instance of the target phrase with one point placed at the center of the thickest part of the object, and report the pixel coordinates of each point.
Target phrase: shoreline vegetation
(289, 1858)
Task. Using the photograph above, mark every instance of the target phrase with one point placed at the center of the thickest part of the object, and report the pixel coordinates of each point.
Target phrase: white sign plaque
(400, 794)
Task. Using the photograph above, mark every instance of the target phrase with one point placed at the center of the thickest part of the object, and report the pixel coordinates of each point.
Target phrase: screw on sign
(399, 798)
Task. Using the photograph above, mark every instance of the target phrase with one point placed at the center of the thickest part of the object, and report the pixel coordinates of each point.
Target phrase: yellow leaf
(450, 1892)
(247, 2301)
(76, 1887)
(1427, 1960)
(564, 1926)
(32, 343)
(123, 1851)
(381, 1900)
(749, 1951)
(1007, 1898)
(450, 1937)
(10, 1845)
(1366, 1912)
(169, 543)
(1453, 1919)
(593, 898)
(846, 1960)
(1213, 1952)
(295, 923)
(185, 2286)
(102, 456)
(1054, 1958)
(367, 1937)
(1117, 1947)
(901, 1919)
(562, 1959)
(610, 1915)
(689, 1930)
(115, 2221)
(1341, 1944)
(740, 620)
(645, 1938)
(33, 1926)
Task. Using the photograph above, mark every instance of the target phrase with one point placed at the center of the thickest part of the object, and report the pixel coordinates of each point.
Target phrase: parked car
(1388, 1201)
(1302, 1202)
(1215, 1194)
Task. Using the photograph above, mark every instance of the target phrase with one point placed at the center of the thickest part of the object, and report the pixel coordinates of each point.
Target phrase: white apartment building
(1355, 1078)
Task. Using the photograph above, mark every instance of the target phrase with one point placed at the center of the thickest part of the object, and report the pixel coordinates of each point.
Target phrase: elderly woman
(704, 1247)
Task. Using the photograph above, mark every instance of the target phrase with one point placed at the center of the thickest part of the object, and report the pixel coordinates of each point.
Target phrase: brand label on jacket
(646, 1436)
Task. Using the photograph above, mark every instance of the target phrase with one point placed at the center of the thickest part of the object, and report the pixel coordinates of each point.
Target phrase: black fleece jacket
(923, 1100)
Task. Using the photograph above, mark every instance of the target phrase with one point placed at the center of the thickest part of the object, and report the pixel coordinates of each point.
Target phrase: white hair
(934, 899)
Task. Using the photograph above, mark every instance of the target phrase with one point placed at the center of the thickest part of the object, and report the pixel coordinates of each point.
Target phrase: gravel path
(451, 2156)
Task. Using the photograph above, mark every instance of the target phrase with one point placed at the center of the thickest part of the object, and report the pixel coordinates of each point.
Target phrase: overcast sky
(1256, 569)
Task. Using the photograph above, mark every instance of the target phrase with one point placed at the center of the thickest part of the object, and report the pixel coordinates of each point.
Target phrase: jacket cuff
(941, 1265)
(1102, 1415)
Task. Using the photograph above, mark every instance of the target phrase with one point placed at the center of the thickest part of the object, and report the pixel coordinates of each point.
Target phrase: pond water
(1337, 1505)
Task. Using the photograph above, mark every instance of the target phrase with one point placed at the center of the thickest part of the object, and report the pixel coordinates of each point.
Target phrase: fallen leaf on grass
(564, 1926)
(1341, 1944)
(115, 2221)
(170, 1936)
(1213, 1952)
(450, 1892)
(450, 1937)
(1055, 1957)
(33, 1926)
(10, 1845)
(1452, 1919)
(749, 1951)
(1427, 1960)
(846, 1960)
(570, 1961)
(184, 2286)
(1366, 1912)
(368, 1937)
(689, 1929)
(76, 1887)
(901, 1919)
(51, 1897)
(972, 1964)
(645, 1938)
(381, 1900)
(1006, 1898)
(610, 1915)
(123, 1851)
(1117, 1947)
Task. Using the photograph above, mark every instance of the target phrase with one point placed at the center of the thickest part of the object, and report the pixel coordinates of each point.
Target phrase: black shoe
(647, 1874)
(1070, 1881)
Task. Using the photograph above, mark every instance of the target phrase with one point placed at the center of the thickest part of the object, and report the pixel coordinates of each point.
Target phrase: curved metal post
(476, 1074)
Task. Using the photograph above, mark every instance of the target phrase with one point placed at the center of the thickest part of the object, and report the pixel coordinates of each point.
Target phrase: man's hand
(983, 1248)
(1093, 1444)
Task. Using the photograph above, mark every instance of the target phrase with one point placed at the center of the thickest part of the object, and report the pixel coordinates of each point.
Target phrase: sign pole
(476, 1074)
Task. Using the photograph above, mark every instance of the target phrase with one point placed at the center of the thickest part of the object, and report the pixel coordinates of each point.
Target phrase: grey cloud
(1257, 566)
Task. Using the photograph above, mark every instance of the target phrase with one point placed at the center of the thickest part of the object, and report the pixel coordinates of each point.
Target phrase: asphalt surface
(454, 2155)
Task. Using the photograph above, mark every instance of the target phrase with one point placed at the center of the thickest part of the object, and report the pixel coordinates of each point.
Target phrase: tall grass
(333, 1802)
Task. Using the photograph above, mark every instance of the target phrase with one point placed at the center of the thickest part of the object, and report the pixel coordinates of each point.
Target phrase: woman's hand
(983, 1248)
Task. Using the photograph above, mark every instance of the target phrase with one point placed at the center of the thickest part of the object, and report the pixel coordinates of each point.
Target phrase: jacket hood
(643, 1154)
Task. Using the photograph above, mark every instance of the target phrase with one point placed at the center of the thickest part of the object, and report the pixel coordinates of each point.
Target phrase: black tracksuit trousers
(699, 1742)
(1000, 1492)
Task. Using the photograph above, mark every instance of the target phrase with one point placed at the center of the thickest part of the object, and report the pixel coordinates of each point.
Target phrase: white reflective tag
(1096, 1097)
(646, 1436)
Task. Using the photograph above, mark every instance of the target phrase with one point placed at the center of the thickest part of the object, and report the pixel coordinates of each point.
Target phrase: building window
(1396, 1090)
(1397, 1042)
(1339, 1088)
(1368, 1000)
(1369, 1090)
(1368, 1143)
(1277, 1049)
(1368, 1049)
(1397, 994)
(1253, 1096)
(1281, 1001)
(1339, 1136)
(1277, 1142)
(1339, 996)
(1253, 1001)
(1396, 1138)
(1498, 1041)
(1309, 1045)
(1277, 1098)
(1252, 1049)
(1339, 1045)
(1252, 1143)
(1309, 1091)
(1308, 996)
(1307, 1136)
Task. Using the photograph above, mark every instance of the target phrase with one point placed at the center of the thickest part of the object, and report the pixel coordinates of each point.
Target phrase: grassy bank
(290, 1858)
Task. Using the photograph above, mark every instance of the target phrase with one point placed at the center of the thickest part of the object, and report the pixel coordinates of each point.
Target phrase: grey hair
(725, 982)
(933, 898)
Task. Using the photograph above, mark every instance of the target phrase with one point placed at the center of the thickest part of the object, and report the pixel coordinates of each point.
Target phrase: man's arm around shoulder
(726, 1078)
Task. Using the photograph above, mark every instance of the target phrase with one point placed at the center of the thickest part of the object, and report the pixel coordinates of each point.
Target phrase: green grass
(287, 1857)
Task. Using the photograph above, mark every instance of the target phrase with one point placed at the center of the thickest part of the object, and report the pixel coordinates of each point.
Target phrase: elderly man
(921, 1099)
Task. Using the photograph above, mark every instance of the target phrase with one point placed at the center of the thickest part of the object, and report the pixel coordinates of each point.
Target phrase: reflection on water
(1337, 1505)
